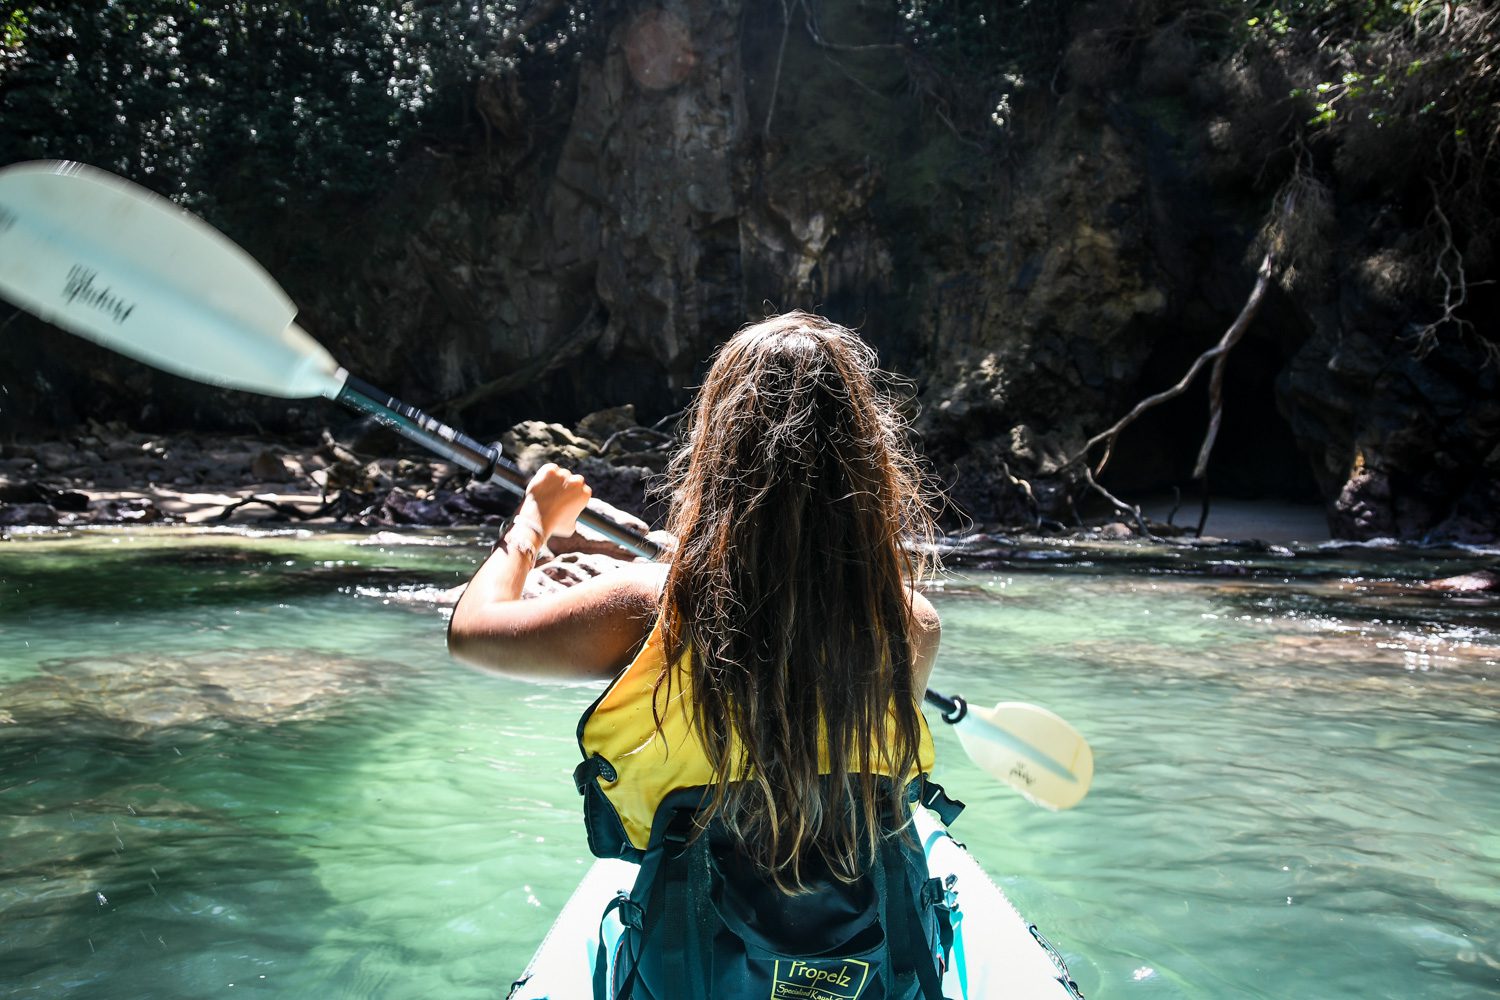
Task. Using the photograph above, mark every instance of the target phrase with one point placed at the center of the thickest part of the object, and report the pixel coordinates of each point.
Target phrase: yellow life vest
(630, 766)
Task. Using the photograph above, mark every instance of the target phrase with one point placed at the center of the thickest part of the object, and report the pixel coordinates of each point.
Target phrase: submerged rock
(139, 694)
(1480, 581)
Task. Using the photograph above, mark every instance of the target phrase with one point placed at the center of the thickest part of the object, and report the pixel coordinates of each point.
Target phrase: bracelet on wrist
(535, 526)
(510, 542)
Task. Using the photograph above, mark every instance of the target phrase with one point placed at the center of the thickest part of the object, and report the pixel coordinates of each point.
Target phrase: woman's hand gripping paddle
(110, 261)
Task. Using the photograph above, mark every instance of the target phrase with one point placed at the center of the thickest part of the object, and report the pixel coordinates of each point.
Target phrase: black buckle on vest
(594, 767)
(931, 794)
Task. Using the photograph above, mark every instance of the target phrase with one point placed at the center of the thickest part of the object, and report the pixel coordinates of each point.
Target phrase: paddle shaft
(483, 460)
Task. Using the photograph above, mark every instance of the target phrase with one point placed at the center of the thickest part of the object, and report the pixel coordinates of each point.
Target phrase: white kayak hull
(996, 953)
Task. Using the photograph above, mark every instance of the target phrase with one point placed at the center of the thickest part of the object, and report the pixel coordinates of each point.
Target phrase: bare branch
(657, 438)
(1117, 503)
(1024, 488)
(340, 506)
(1448, 268)
(1221, 356)
(1217, 356)
(1212, 355)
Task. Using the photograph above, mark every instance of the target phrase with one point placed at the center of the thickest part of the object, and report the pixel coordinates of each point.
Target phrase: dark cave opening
(1255, 456)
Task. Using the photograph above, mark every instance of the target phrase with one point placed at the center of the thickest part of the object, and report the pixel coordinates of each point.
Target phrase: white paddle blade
(1033, 750)
(106, 259)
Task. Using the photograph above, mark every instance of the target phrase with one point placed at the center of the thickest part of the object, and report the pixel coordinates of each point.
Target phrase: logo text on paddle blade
(80, 287)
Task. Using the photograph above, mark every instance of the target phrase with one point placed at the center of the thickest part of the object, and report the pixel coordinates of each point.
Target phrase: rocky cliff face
(1035, 276)
(1403, 447)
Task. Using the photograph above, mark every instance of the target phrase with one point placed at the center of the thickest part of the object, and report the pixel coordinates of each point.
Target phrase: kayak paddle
(103, 258)
(1033, 750)
(108, 260)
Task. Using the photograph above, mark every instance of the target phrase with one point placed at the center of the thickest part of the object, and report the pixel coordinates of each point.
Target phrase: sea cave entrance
(1255, 457)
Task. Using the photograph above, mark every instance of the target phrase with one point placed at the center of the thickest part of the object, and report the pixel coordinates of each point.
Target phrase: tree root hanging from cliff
(1218, 356)
(786, 29)
(1448, 268)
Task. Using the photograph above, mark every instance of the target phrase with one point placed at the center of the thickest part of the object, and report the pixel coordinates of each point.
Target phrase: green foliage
(258, 105)
(13, 32)
(1383, 57)
(1404, 103)
(1274, 21)
(1346, 17)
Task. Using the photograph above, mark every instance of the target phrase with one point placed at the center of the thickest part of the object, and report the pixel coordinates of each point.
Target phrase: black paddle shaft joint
(954, 708)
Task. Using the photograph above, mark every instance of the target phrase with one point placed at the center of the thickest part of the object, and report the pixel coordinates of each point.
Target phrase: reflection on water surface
(234, 758)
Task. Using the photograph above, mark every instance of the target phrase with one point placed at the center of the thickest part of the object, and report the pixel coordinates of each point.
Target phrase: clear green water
(238, 764)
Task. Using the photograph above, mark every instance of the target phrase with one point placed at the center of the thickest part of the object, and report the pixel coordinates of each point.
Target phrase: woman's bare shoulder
(923, 613)
(639, 585)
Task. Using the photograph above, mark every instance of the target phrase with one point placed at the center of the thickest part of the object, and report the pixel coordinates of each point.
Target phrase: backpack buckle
(940, 893)
(934, 797)
(679, 831)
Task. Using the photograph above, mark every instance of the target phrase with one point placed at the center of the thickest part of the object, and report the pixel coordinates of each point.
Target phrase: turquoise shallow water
(235, 763)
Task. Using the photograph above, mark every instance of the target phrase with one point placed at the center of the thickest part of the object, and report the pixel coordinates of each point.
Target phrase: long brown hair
(794, 502)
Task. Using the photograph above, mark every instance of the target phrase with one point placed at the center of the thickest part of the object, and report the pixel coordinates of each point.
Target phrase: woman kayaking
(761, 740)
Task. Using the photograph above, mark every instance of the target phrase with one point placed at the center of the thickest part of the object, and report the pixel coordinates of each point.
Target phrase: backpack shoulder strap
(680, 912)
(911, 951)
(670, 896)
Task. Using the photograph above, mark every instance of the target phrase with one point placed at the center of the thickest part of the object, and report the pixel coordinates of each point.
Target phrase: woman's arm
(585, 632)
